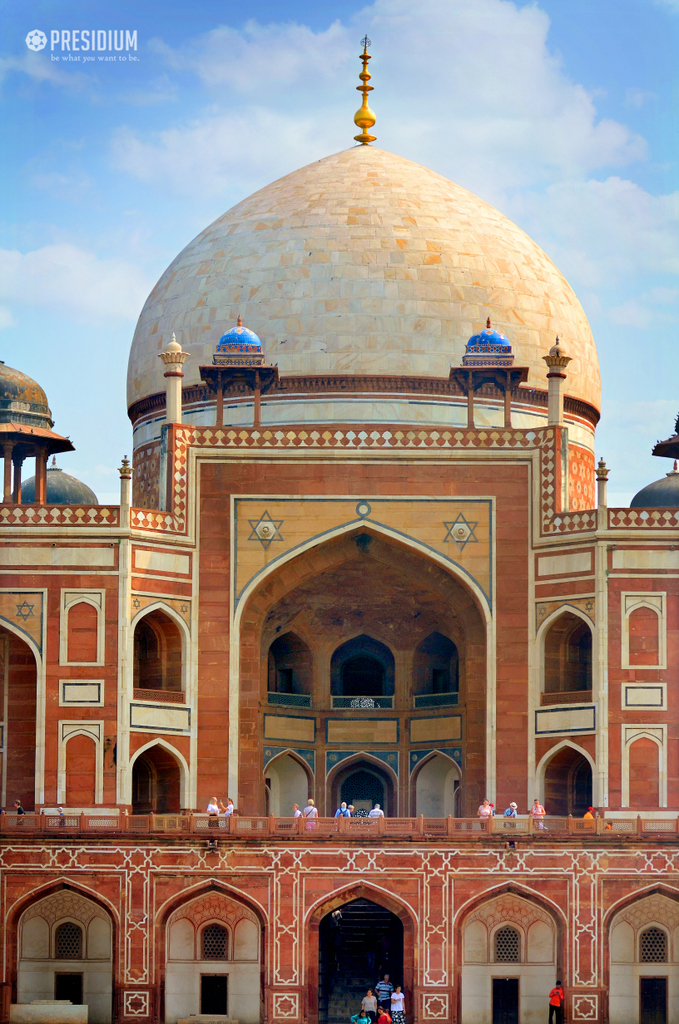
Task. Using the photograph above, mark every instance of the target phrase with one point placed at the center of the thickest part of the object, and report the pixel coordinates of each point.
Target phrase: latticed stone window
(653, 946)
(213, 942)
(507, 946)
(68, 943)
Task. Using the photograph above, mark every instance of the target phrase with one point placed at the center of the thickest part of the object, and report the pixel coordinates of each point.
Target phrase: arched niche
(332, 594)
(642, 947)
(66, 939)
(508, 935)
(156, 781)
(289, 666)
(81, 771)
(567, 655)
(436, 787)
(362, 667)
(567, 781)
(214, 935)
(436, 666)
(83, 633)
(289, 782)
(363, 781)
(157, 653)
(19, 673)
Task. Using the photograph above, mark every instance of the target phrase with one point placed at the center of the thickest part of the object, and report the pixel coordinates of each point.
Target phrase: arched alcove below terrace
(567, 782)
(436, 787)
(363, 782)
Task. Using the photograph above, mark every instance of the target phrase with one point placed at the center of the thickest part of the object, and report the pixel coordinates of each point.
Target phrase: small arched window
(213, 942)
(68, 942)
(507, 946)
(653, 946)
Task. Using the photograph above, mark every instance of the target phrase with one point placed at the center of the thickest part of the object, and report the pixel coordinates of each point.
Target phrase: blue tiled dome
(487, 338)
(239, 339)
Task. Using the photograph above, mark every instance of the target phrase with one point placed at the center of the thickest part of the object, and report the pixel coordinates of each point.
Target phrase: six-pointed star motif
(265, 529)
(461, 532)
(24, 611)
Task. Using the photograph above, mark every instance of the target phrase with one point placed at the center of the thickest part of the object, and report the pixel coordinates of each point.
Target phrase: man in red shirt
(556, 1001)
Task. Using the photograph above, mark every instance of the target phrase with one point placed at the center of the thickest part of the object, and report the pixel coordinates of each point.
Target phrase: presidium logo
(36, 40)
(74, 40)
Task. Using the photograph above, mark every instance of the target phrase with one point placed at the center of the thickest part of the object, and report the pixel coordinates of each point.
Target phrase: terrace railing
(219, 827)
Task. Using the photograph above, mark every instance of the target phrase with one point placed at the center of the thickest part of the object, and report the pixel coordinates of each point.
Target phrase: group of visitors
(536, 812)
(344, 810)
(215, 807)
(385, 1004)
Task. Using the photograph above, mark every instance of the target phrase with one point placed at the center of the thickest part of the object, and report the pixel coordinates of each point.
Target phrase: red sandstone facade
(141, 676)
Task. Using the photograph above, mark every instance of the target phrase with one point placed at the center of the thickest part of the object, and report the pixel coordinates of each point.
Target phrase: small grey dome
(62, 489)
(660, 494)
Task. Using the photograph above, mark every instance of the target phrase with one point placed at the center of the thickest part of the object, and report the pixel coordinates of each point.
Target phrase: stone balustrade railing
(219, 827)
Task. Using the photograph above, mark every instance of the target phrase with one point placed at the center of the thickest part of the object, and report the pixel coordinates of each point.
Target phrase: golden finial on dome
(364, 118)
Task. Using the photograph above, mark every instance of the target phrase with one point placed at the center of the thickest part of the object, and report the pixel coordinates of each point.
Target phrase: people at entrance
(360, 1018)
(310, 811)
(213, 806)
(296, 813)
(229, 808)
(369, 1005)
(384, 989)
(485, 811)
(383, 1017)
(537, 813)
(589, 813)
(511, 811)
(343, 811)
(398, 1006)
(376, 812)
(556, 1001)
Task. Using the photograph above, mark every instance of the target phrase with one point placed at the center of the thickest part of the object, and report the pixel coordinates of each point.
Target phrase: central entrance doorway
(363, 789)
(359, 942)
(653, 1001)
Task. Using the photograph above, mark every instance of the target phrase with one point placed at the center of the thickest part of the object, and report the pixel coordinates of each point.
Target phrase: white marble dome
(363, 263)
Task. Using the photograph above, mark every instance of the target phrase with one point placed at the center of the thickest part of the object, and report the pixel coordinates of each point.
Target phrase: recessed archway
(158, 652)
(362, 781)
(19, 673)
(396, 924)
(379, 591)
(436, 787)
(567, 785)
(156, 781)
(288, 782)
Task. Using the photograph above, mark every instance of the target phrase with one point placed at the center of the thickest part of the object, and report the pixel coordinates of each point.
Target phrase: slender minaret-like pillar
(557, 361)
(125, 470)
(173, 359)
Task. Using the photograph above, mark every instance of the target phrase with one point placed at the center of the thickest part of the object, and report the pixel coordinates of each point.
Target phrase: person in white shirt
(398, 1006)
(228, 810)
(376, 812)
(213, 806)
(296, 813)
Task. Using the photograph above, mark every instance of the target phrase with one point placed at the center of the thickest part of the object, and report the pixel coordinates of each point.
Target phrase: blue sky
(562, 113)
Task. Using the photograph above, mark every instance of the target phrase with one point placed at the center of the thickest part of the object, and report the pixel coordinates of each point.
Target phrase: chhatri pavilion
(363, 553)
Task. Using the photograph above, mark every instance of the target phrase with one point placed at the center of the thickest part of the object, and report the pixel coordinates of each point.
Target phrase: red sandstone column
(8, 448)
(17, 460)
(41, 477)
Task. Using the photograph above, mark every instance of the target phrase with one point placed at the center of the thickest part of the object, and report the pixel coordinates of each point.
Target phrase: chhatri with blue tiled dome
(239, 340)
(488, 348)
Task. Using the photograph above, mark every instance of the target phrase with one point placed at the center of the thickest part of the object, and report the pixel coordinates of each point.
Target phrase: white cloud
(66, 279)
(638, 97)
(6, 319)
(598, 232)
(657, 307)
(469, 88)
(40, 68)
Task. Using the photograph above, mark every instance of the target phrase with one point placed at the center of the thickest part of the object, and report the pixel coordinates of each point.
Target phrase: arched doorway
(213, 953)
(511, 950)
(437, 788)
(644, 961)
(18, 691)
(287, 784)
(358, 943)
(156, 782)
(157, 653)
(363, 783)
(65, 951)
(568, 783)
